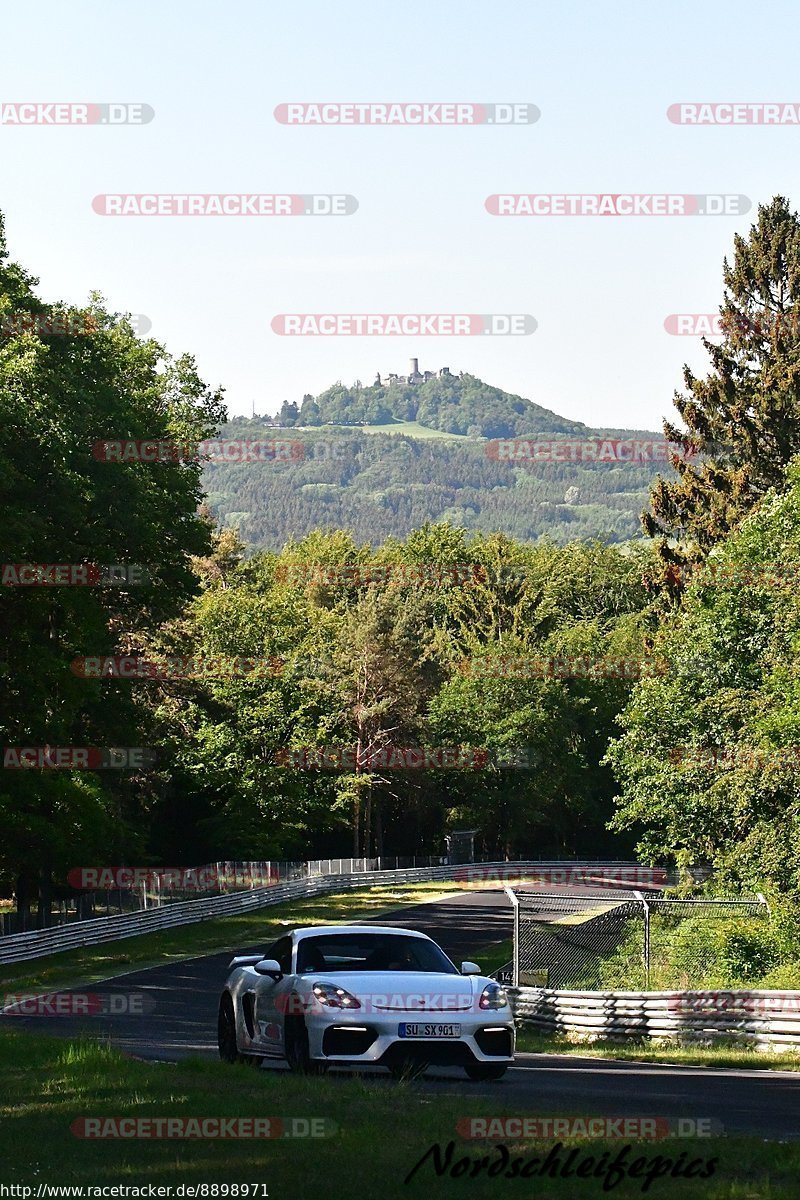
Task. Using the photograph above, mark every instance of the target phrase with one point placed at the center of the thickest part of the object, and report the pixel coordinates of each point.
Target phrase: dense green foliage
(378, 662)
(704, 754)
(378, 486)
(744, 417)
(706, 953)
(710, 756)
(58, 396)
(458, 404)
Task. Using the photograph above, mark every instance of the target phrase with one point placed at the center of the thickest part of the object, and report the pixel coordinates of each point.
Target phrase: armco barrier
(20, 947)
(762, 1020)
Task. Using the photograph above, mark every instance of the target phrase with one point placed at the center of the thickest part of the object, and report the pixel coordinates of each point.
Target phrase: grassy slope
(383, 1129)
(409, 428)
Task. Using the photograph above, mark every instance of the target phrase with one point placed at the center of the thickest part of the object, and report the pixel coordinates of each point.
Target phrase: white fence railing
(763, 1020)
(19, 947)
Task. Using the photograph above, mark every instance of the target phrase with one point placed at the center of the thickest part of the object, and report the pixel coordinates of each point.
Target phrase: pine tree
(743, 420)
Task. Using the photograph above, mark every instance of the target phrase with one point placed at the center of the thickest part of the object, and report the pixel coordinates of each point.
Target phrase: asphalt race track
(186, 994)
(183, 1022)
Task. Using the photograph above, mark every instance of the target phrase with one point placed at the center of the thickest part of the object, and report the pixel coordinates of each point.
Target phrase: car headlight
(334, 997)
(493, 996)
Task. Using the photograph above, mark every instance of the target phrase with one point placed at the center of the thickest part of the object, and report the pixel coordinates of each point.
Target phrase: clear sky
(602, 74)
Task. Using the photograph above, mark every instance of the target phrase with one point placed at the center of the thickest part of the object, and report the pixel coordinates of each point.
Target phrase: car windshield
(371, 952)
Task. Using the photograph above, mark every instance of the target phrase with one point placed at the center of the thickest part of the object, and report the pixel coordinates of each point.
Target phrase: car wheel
(298, 1054)
(485, 1071)
(226, 1031)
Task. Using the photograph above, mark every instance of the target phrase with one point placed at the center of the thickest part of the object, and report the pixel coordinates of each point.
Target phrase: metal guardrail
(20, 947)
(150, 887)
(761, 1020)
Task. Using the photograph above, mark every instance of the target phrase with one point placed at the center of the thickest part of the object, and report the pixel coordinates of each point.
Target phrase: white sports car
(364, 994)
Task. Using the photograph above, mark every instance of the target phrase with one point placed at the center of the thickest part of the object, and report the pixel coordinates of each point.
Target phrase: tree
(708, 760)
(743, 419)
(309, 411)
(385, 674)
(58, 396)
(288, 414)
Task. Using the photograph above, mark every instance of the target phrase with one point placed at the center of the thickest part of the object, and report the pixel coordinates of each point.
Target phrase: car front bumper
(485, 1038)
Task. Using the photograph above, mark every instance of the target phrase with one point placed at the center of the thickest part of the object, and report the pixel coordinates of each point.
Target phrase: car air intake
(347, 1039)
(494, 1041)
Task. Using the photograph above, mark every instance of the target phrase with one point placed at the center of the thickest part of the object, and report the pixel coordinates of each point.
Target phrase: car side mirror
(468, 968)
(269, 966)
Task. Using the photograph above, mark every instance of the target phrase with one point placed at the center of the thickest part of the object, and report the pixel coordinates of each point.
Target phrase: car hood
(404, 991)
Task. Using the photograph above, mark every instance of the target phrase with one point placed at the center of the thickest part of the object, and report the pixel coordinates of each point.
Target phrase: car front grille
(438, 1054)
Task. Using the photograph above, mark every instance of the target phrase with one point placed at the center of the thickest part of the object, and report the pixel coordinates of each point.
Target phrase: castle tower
(415, 366)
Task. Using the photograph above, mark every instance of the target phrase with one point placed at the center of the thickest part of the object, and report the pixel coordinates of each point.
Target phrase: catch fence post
(515, 955)
(646, 911)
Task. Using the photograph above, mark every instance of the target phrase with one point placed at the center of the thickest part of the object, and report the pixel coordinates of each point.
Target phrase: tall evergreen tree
(743, 420)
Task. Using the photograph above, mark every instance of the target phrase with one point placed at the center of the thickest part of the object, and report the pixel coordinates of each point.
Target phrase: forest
(623, 690)
(380, 485)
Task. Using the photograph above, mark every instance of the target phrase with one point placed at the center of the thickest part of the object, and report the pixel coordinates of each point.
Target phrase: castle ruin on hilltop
(414, 376)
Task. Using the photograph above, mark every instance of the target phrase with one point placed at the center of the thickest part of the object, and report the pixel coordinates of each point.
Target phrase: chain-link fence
(629, 941)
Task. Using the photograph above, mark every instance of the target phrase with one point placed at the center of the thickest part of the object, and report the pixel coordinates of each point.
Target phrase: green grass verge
(260, 927)
(382, 1130)
(533, 1042)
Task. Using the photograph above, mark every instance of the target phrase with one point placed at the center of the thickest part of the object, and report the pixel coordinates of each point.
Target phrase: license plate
(418, 1030)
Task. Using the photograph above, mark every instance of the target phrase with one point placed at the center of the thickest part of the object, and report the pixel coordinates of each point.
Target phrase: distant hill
(382, 460)
(456, 404)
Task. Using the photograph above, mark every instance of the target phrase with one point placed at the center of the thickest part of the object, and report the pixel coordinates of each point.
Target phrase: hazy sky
(603, 76)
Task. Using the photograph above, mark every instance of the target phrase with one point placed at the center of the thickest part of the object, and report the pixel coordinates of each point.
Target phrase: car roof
(314, 930)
